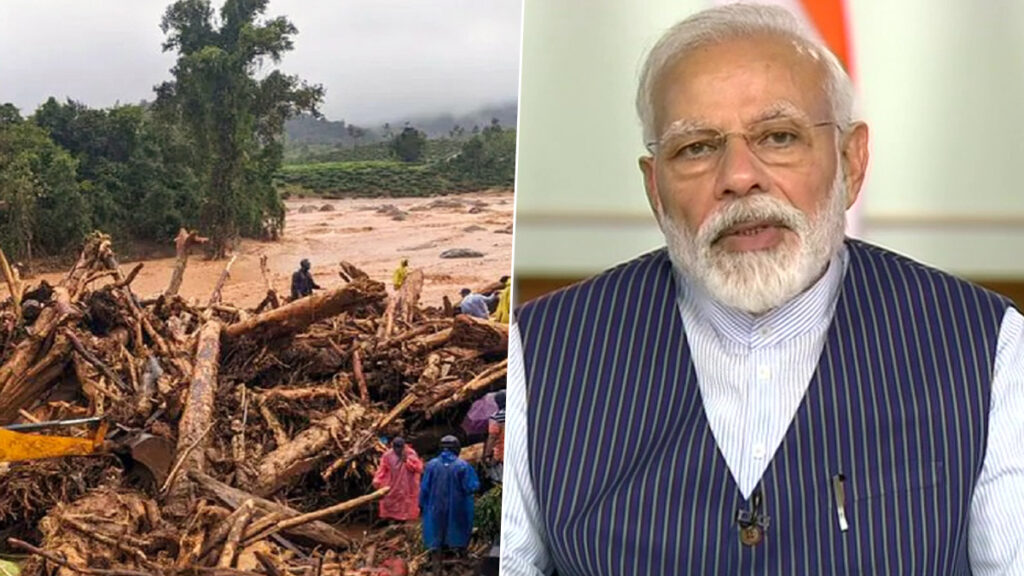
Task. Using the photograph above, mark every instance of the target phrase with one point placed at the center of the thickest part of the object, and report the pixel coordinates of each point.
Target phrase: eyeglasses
(782, 142)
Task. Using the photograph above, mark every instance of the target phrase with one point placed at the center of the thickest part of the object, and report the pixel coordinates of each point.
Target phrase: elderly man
(789, 401)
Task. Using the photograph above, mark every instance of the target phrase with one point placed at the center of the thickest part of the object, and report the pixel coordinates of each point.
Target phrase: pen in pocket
(839, 491)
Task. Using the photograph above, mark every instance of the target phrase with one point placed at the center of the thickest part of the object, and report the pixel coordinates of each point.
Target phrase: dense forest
(211, 152)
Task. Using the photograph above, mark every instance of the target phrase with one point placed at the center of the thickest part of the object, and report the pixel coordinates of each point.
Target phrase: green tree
(41, 207)
(355, 133)
(9, 114)
(134, 170)
(233, 109)
(17, 207)
(494, 128)
(408, 145)
(487, 159)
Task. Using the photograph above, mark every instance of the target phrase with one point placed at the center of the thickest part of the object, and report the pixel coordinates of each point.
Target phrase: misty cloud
(378, 59)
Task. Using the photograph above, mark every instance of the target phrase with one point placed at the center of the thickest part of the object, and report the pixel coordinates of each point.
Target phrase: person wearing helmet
(446, 501)
(302, 281)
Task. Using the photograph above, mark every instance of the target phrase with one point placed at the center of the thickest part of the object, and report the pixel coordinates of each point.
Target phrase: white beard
(762, 280)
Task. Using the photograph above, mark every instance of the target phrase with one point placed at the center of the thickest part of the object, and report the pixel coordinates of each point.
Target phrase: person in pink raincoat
(400, 468)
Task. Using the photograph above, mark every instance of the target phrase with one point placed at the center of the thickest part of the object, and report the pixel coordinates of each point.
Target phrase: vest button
(751, 535)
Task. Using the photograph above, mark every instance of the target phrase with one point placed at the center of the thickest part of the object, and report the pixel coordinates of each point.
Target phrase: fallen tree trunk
(298, 315)
(419, 330)
(17, 388)
(318, 532)
(198, 415)
(318, 514)
(479, 383)
(479, 334)
(473, 454)
(365, 442)
(28, 386)
(431, 341)
(349, 272)
(290, 461)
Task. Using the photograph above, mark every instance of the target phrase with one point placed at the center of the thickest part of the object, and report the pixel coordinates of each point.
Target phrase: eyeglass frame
(722, 138)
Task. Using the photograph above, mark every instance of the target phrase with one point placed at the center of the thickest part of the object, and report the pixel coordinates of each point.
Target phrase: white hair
(729, 22)
(758, 281)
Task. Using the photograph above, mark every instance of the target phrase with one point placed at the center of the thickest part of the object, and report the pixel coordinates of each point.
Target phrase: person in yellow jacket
(398, 278)
(501, 313)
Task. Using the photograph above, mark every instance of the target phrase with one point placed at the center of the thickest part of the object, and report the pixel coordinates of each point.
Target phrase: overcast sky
(378, 59)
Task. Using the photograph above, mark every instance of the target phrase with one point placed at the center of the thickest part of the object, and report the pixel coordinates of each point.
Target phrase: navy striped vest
(629, 479)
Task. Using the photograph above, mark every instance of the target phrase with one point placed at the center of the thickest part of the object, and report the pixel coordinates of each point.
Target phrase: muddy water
(359, 231)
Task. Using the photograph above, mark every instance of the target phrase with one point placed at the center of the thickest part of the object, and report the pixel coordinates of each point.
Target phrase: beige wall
(940, 83)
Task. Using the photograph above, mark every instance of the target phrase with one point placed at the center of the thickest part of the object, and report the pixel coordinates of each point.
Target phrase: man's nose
(740, 172)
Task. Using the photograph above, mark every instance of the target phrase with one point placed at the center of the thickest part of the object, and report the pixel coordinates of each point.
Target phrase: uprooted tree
(271, 421)
(234, 110)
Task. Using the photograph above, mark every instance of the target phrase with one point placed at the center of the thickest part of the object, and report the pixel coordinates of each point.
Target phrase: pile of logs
(274, 415)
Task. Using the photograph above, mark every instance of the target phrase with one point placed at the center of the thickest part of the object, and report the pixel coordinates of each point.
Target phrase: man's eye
(697, 150)
(779, 138)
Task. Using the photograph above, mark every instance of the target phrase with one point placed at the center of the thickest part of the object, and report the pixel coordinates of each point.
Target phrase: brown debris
(271, 300)
(317, 532)
(183, 244)
(271, 418)
(350, 272)
(197, 418)
(298, 315)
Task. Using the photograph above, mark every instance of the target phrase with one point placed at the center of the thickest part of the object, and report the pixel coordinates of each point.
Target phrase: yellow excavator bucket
(15, 446)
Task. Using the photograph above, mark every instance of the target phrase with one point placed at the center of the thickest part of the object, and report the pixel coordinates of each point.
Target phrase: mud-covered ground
(367, 233)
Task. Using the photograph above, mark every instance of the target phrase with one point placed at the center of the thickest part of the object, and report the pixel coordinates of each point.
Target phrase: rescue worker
(401, 469)
(501, 314)
(476, 305)
(302, 281)
(446, 499)
(398, 278)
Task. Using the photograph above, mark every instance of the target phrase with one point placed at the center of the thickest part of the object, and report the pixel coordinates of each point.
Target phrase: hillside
(308, 131)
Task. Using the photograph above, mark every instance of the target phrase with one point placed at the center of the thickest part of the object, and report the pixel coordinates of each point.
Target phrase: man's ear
(855, 159)
(647, 167)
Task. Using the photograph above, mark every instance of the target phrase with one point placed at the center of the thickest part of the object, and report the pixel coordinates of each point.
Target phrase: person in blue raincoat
(446, 500)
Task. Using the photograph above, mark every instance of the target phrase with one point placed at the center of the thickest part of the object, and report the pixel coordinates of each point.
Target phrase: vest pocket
(887, 512)
(897, 478)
